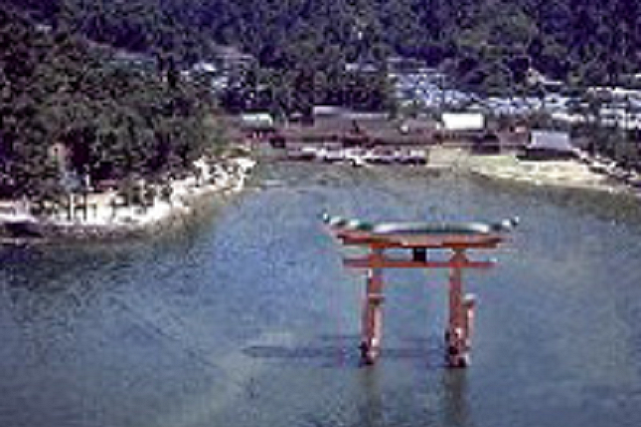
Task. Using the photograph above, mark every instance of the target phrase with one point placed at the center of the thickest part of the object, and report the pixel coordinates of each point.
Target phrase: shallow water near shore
(246, 317)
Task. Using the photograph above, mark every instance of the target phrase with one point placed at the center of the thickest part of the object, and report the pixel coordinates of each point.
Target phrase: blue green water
(246, 317)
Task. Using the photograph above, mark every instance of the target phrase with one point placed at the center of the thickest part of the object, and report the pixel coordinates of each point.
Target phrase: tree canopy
(588, 41)
(114, 121)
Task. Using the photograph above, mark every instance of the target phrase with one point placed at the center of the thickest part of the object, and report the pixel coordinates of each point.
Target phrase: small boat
(355, 157)
(301, 155)
(20, 226)
(332, 156)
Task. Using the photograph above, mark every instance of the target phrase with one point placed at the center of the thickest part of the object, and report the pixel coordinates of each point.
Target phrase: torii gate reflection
(420, 239)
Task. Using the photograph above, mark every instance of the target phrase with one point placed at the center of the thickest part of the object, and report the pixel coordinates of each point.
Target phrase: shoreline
(574, 174)
(228, 177)
(108, 221)
(581, 173)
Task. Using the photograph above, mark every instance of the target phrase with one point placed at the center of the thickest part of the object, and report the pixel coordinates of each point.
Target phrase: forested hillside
(118, 123)
(60, 84)
(480, 41)
(58, 87)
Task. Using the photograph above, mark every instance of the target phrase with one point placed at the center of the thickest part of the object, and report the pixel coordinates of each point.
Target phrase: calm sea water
(247, 318)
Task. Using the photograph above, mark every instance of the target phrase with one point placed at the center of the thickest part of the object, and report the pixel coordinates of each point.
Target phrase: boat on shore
(358, 157)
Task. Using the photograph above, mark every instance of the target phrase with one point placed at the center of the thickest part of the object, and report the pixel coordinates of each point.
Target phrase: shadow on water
(453, 406)
(331, 351)
(371, 412)
(456, 411)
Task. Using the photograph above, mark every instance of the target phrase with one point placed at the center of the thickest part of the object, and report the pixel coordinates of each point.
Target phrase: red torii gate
(419, 238)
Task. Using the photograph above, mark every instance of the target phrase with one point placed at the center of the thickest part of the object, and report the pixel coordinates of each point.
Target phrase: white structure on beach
(257, 121)
(549, 145)
(463, 121)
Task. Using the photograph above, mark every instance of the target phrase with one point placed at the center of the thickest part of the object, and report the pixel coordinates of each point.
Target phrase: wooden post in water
(457, 333)
(470, 307)
(372, 322)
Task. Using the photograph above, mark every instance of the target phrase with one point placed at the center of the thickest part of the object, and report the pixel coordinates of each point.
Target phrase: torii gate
(419, 238)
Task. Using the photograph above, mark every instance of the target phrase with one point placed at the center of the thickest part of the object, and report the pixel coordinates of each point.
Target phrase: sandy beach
(106, 214)
(568, 174)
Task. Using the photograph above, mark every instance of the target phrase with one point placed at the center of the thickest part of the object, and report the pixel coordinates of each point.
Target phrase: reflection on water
(246, 316)
(371, 411)
(455, 406)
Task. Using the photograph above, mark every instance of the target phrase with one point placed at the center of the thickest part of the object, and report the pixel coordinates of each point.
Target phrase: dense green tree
(114, 121)
(593, 40)
(492, 43)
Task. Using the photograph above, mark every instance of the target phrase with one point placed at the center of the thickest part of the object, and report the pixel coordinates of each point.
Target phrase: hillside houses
(549, 145)
(227, 65)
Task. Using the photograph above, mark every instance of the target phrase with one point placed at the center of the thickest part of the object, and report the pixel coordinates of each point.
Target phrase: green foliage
(589, 40)
(120, 122)
(116, 122)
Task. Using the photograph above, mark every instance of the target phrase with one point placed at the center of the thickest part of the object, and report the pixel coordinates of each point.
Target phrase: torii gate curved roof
(420, 234)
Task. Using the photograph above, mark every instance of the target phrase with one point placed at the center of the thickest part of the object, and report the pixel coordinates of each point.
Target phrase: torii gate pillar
(372, 321)
(458, 334)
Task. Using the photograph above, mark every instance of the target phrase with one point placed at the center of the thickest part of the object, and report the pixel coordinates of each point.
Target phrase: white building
(254, 121)
(463, 121)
